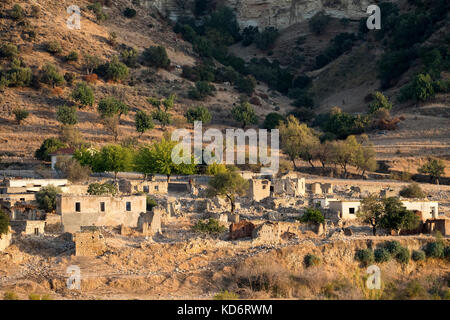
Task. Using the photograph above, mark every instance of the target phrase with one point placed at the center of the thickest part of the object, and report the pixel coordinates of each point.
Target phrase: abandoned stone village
(86, 226)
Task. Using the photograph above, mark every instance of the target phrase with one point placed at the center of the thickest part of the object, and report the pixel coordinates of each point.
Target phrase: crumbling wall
(259, 189)
(149, 223)
(89, 244)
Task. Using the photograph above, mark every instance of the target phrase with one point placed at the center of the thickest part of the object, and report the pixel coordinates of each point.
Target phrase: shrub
(312, 215)
(245, 114)
(266, 39)
(35, 11)
(403, 255)
(202, 90)
(91, 78)
(9, 51)
(318, 23)
(110, 106)
(434, 249)
(365, 256)
(129, 57)
(20, 114)
(198, 114)
(72, 169)
(246, 84)
(72, 56)
(151, 203)
(381, 255)
(447, 252)
(412, 191)
(99, 189)
(116, 70)
(129, 13)
(393, 247)
(69, 77)
(53, 47)
(51, 75)
(19, 77)
(418, 255)
(83, 94)
(311, 260)
(212, 226)
(4, 223)
(10, 296)
(226, 295)
(272, 120)
(46, 198)
(67, 115)
(17, 12)
(156, 56)
(98, 10)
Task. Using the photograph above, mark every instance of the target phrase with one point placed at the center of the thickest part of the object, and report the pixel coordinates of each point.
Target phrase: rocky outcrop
(277, 13)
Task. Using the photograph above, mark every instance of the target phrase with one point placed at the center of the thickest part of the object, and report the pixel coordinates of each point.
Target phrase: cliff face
(284, 13)
(277, 13)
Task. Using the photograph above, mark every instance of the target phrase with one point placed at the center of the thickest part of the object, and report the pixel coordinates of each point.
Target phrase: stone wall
(29, 227)
(89, 244)
(259, 189)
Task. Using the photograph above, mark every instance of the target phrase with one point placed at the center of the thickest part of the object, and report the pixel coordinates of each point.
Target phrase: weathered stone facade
(89, 244)
(86, 210)
(242, 229)
(259, 189)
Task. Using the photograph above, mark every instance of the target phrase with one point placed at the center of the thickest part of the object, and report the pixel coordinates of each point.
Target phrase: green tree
(114, 158)
(46, 197)
(365, 158)
(91, 63)
(371, 211)
(379, 102)
(345, 152)
(110, 106)
(20, 114)
(423, 87)
(143, 122)
(397, 217)
(198, 114)
(272, 120)
(157, 159)
(4, 223)
(67, 115)
(229, 184)
(48, 146)
(298, 140)
(312, 215)
(156, 56)
(244, 113)
(434, 167)
(83, 94)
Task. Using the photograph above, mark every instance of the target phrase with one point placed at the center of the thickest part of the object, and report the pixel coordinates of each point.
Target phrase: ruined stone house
(441, 225)
(88, 210)
(293, 187)
(29, 227)
(146, 186)
(259, 189)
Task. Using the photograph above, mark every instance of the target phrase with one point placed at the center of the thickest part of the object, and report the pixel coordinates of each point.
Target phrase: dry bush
(57, 91)
(260, 278)
(91, 78)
